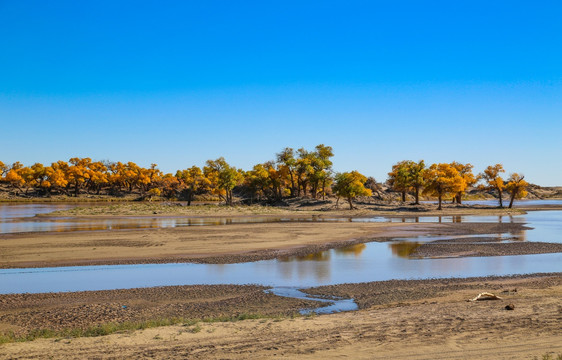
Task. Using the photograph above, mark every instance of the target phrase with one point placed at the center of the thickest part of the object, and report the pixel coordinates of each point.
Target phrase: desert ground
(406, 319)
(429, 319)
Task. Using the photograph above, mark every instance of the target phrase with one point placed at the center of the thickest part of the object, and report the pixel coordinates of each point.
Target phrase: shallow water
(359, 263)
(333, 304)
(352, 264)
(20, 218)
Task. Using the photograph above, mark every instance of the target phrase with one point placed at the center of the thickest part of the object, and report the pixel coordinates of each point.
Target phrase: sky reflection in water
(351, 264)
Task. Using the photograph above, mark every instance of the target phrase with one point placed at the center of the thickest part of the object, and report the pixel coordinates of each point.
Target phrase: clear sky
(177, 83)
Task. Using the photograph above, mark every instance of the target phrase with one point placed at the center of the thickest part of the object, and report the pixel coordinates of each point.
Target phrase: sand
(421, 320)
(426, 319)
(234, 243)
(194, 243)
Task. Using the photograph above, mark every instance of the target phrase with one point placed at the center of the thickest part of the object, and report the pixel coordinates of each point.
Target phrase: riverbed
(360, 262)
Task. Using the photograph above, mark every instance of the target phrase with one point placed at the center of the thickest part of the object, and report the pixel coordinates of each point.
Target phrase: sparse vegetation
(111, 328)
(549, 356)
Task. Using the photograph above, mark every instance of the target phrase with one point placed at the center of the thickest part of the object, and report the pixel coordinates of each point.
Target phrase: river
(358, 263)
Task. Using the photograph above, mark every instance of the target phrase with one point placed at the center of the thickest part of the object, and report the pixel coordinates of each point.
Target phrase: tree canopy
(350, 185)
(300, 173)
(442, 179)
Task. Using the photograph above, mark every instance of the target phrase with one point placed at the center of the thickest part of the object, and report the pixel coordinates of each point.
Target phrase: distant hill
(534, 192)
(383, 192)
(539, 192)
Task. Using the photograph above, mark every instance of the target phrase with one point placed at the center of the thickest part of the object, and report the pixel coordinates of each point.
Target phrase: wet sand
(426, 319)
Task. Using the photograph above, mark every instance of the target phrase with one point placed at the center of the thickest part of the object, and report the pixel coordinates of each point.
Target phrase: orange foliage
(443, 179)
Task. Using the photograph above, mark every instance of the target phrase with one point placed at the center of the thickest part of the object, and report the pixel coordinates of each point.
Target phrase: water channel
(358, 263)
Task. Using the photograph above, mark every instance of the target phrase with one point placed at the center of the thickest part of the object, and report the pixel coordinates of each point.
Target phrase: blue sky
(177, 83)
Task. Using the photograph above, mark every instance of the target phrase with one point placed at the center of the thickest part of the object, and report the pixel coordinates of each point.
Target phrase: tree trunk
(512, 198)
(189, 197)
(314, 190)
(417, 196)
(350, 203)
(459, 198)
(440, 198)
(403, 196)
(501, 201)
(292, 183)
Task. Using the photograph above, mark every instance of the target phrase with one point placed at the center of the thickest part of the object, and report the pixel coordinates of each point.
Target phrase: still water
(352, 264)
(20, 218)
(375, 262)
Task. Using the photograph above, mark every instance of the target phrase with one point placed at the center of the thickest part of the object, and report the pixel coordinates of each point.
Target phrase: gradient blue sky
(177, 83)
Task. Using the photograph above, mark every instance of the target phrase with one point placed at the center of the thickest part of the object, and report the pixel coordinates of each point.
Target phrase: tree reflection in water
(404, 248)
(354, 250)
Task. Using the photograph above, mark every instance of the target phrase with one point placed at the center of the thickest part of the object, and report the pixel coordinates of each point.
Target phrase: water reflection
(404, 248)
(317, 266)
(354, 250)
(21, 218)
(317, 256)
(376, 263)
(519, 235)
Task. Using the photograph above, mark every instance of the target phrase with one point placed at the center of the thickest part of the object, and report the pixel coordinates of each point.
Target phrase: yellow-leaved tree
(3, 169)
(350, 185)
(494, 181)
(287, 164)
(517, 187)
(222, 177)
(399, 177)
(465, 170)
(192, 180)
(13, 176)
(442, 179)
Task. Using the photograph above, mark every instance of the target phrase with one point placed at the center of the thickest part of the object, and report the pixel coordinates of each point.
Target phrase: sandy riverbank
(301, 208)
(231, 243)
(217, 243)
(429, 319)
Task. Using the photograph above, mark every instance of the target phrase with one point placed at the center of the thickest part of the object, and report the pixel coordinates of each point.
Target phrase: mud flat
(426, 319)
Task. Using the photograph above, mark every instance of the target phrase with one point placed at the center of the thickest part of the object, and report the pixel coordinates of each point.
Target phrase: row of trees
(452, 179)
(292, 174)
